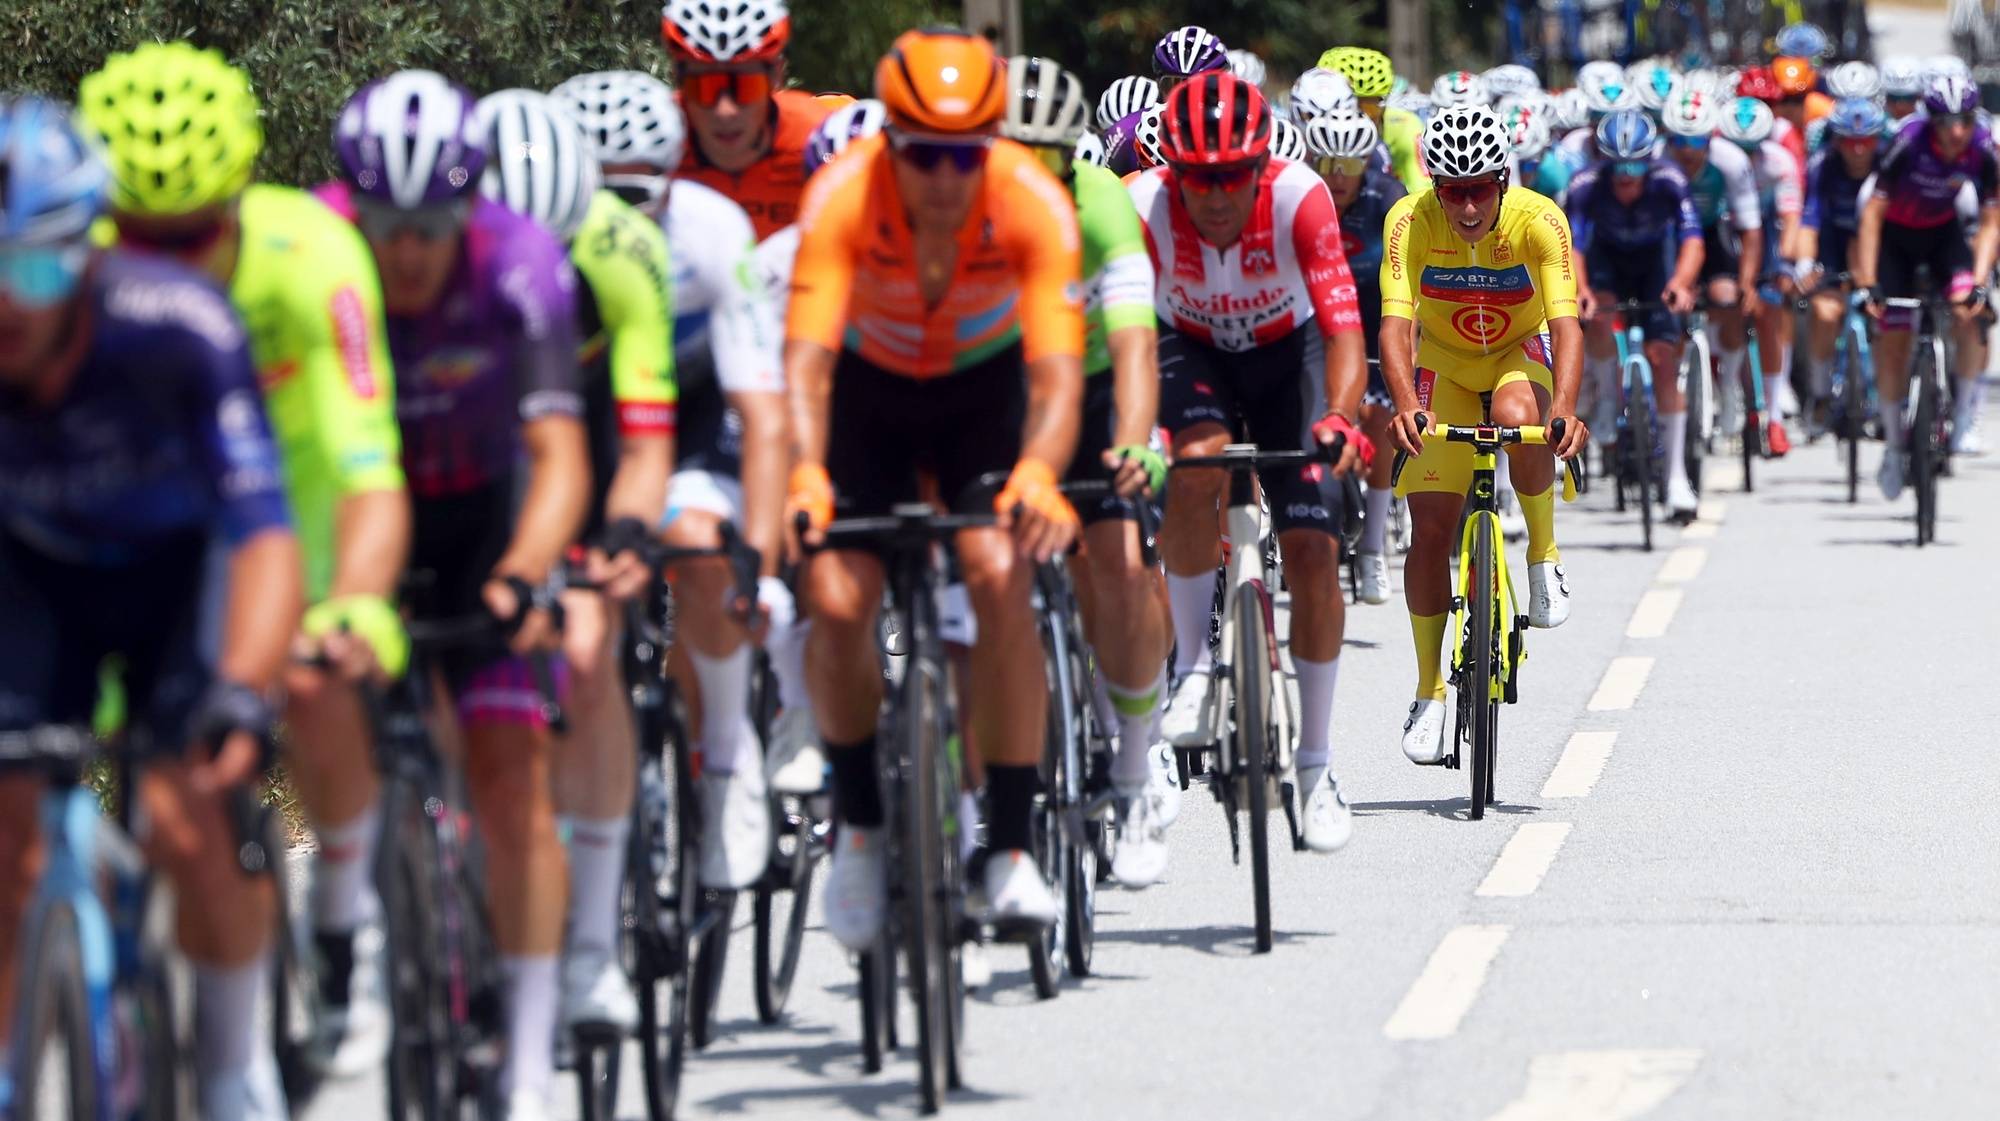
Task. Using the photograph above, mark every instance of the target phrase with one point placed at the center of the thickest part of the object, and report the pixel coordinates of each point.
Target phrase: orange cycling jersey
(1016, 278)
(769, 189)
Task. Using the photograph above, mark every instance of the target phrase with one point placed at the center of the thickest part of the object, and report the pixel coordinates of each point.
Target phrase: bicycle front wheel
(783, 901)
(1250, 667)
(1639, 425)
(55, 1062)
(1484, 650)
(931, 932)
(1923, 441)
(1853, 400)
(1082, 868)
(1695, 367)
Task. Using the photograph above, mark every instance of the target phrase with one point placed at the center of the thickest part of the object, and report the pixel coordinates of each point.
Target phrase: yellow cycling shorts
(1448, 388)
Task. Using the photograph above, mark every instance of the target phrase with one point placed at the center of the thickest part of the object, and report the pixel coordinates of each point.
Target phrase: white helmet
(1319, 92)
(1902, 76)
(1045, 103)
(1937, 66)
(1702, 78)
(1689, 113)
(1410, 101)
(1465, 142)
(629, 116)
(1342, 136)
(1459, 87)
(1146, 138)
(1746, 121)
(719, 31)
(1611, 97)
(1288, 141)
(538, 160)
(1131, 94)
(1652, 80)
(1854, 79)
(1527, 133)
(1571, 110)
(1247, 66)
(1510, 79)
(1090, 149)
(1598, 74)
(851, 122)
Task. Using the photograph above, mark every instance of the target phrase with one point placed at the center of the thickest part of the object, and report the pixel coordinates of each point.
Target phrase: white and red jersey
(1287, 267)
(1780, 181)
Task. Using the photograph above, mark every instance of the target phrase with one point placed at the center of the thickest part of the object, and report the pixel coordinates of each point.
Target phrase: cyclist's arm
(1049, 246)
(635, 303)
(1868, 238)
(1397, 344)
(1987, 242)
(1125, 295)
(1687, 266)
(744, 337)
(1556, 282)
(816, 314)
(551, 410)
(1316, 239)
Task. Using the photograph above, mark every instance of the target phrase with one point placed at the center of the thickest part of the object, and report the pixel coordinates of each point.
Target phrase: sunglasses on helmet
(1477, 192)
(925, 153)
(642, 191)
(706, 88)
(382, 221)
(38, 276)
(1202, 180)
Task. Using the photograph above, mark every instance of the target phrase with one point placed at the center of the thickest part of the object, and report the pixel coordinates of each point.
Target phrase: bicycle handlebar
(1493, 437)
(1248, 457)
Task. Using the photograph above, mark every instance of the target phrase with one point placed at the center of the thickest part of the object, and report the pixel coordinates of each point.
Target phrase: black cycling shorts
(1635, 276)
(887, 430)
(1100, 422)
(709, 434)
(1723, 253)
(155, 618)
(1269, 396)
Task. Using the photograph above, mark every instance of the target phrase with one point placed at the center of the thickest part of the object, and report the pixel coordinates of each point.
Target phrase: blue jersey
(1833, 197)
(1361, 229)
(1552, 174)
(160, 433)
(1662, 217)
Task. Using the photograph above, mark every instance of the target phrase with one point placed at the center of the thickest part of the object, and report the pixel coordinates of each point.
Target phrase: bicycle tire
(927, 931)
(1852, 403)
(1639, 423)
(1484, 604)
(1082, 868)
(299, 1044)
(663, 893)
(1048, 839)
(1700, 426)
(876, 982)
(711, 955)
(781, 928)
(597, 1070)
(50, 1006)
(1250, 666)
(1923, 447)
(422, 1070)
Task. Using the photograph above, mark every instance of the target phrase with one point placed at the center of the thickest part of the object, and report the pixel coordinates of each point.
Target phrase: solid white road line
(1656, 609)
(1621, 683)
(1445, 990)
(1526, 859)
(1599, 1085)
(1582, 761)
(1683, 564)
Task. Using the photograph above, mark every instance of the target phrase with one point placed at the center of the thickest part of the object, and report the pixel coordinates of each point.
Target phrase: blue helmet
(1855, 117)
(1627, 134)
(53, 182)
(1802, 40)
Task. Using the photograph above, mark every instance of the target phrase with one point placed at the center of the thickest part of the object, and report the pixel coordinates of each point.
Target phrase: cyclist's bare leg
(1969, 329)
(21, 857)
(1828, 309)
(1533, 466)
(1774, 340)
(333, 771)
(1600, 364)
(1319, 623)
(1892, 379)
(1007, 705)
(594, 770)
(1378, 492)
(716, 648)
(1115, 590)
(843, 669)
(1191, 544)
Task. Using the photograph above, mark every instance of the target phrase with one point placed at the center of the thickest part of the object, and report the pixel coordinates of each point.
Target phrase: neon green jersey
(1117, 271)
(622, 256)
(1403, 132)
(306, 288)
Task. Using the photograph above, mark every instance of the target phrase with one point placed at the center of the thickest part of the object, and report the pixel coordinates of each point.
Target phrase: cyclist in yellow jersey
(181, 132)
(1478, 297)
(1372, 75)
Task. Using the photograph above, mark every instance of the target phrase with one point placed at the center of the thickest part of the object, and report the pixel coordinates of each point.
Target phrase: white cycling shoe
(596, 993)
(1141, 856)
(527, 1105)
(1548, 595)
(1967, 441)
(1326, 822)
(735, 829)
(359, 1031)
(255, 1093)
(796, 764)
(1890, 475)
(1016, 895)
(1373, 571)
(1166, 782)
(855, 887)
(1423, 732)
(1190, 717)
(1681, 500)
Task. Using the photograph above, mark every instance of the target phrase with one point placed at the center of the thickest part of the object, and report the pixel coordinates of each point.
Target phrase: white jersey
(721, 309)
(1780, 182)
(1739, 185)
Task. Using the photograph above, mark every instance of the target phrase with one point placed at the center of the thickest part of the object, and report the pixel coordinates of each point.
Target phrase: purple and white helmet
(410, 139)
(1949, 93)
(1189, 50)
(842, 127)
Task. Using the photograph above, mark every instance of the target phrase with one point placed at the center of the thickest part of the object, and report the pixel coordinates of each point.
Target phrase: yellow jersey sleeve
(623, 256)
(1403, 249)
(1548, 239)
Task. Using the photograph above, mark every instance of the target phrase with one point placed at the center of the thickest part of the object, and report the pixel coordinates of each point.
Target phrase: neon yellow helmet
(1370, 72)
(180, 127)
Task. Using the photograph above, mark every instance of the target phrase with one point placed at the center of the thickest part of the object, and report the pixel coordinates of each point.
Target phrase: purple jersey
(1121, 145)
(498, 350)
(1662, 216)
(1922, 186)
(161, 431)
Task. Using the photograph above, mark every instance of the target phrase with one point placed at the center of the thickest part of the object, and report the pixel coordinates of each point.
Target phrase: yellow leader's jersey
(1483, 299)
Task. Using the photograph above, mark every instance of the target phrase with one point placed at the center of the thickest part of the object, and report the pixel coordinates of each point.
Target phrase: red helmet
(1760, 83)
(1215, 118)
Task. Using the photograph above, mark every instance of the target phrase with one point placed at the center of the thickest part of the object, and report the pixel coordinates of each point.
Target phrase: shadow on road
(1453, 808)
(1220, 941)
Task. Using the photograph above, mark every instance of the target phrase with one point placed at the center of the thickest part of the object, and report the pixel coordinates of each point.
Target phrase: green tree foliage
(1106, 41)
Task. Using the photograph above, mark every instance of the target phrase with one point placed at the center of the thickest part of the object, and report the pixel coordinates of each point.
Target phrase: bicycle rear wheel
(423, 1068)
(1485, 669)
(1696, 367)
(784, 899)
(876, 981)
(1852, 406)
(1639, 425)
(55, 1066)
(716, 915)
(1082, 868)
(662, 897)
(1250, 668)
(1048, 840)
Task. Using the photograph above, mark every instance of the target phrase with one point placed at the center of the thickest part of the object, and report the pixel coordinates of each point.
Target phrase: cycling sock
(787, 648)
(1892, 422)
(969, 819)
(726, 734)
(227, 1026)
(1967, 406)
(1191, 599)
(1375, 527)
(1729, 372)
(1673, 436)
(531, 1023)
(1316, 684)
(1136, 709)
(1429, 633)
(343, 888)
(1100, 699)
(857, 789)
(1603, 373)
(1010, 805)
(596, 869)
(1539, 511)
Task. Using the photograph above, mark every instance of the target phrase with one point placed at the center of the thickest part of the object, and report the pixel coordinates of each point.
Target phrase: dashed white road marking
(1683, 564)
(1656, 610)
(1621, 683)
(1526, 859)
(1700, 530)
(1581, 763)
(1443, 993)
(1711, 510)
(1599, 1085)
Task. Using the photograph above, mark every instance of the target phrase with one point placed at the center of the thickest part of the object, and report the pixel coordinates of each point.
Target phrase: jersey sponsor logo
(1536, 347)
(186, 305)
(1503, 250)
(270, 377)
(638, 417)
(1481, 324)
(1474, 285)
(350, 336)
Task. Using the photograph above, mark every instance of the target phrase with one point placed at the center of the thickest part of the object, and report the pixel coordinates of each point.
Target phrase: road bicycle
(1250, 763)
(1488, 630)
(801, 840)
(1927, 442)
(1638, 471)
(1852, 379)
(1695, 376)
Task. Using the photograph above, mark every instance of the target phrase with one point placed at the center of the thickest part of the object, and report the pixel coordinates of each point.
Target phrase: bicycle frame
(1245, 565)
(1483, 518)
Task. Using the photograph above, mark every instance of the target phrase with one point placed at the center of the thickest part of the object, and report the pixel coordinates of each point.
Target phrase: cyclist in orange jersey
(937, 265)
(749, 135)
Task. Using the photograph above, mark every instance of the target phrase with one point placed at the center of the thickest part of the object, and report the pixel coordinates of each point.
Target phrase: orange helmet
(1795, 76)
(941, 80)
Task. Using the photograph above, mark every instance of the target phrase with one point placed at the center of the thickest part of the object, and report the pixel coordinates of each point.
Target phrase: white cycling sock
(1673, 436)
(726, 734)
(1892, 422)
(596, 869)
(343, 887)
(228, 1030)
(531, 1023)
(1190, 598)
(787, 648)
(1375, 527)
(1316, 682)
(1136, 711)
(1967, 405)
(1729, 371)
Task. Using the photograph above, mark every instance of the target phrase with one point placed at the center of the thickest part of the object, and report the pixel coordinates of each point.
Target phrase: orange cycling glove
(811, 494)
(1033, 485)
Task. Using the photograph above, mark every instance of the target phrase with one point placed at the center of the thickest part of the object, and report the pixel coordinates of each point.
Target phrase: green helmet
(179, 124)
(1369, 72)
